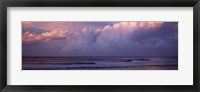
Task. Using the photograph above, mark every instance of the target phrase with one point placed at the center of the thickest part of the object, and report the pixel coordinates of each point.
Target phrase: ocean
(99, 63)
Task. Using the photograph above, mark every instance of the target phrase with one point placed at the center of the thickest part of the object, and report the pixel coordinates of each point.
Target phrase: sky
(99, 38)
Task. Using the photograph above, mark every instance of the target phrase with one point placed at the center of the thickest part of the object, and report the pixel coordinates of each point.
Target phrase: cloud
(133, 26)
(100, 39)
(48, 26)
(46, 36)
(120, 34)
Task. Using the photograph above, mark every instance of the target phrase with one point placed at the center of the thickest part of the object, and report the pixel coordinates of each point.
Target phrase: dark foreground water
(100, 63)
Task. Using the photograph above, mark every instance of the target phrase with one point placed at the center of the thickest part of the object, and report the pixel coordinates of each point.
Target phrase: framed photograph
(121, 45)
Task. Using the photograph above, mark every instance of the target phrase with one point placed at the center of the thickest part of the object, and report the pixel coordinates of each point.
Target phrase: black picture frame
(100, 3)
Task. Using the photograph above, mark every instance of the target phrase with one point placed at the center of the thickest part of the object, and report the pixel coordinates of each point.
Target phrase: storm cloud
(100, 38)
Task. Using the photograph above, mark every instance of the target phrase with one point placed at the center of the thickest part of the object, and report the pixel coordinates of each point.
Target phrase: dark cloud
(105, 39)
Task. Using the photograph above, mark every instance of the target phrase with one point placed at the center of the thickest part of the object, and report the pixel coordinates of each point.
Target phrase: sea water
(100, 63)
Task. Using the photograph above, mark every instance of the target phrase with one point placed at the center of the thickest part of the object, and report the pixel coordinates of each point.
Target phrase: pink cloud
(51, 31)
(48, 26)
(132, 26)
(109, 32)
(120, 33)
(26, 24)
(45, 36)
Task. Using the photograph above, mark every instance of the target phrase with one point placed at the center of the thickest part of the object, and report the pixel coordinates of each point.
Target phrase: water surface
(100, 63)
